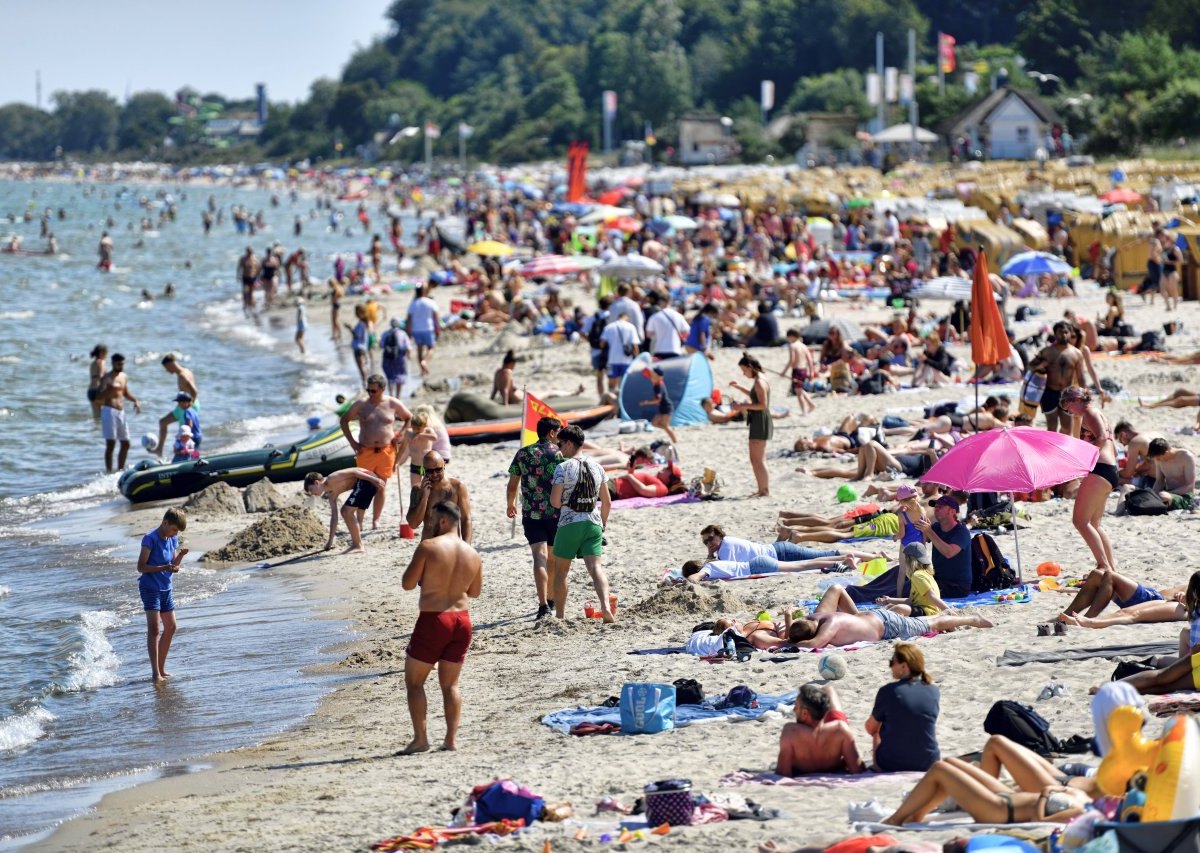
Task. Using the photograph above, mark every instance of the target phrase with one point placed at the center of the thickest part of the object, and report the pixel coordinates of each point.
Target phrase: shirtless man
(1063, 364)
(837, 622)
(186, 382)
(105, 251)
(1174, 473)
(247, 273)
(1138, 471)
(375, 447)
(436, 488)
(449, 572)
(112, 394)
(363, 484)
(820, 741)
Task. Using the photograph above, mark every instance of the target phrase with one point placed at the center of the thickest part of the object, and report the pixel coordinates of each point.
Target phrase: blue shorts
(599, 360)
(616, 371)
(1140, 595)
(423, 339)
(157, 599)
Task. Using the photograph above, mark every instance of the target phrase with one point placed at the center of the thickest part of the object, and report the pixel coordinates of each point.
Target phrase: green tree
(1053, 35)
(837, 91)
(87, 121)
(373, 62)
(144, 121)
(27, 133)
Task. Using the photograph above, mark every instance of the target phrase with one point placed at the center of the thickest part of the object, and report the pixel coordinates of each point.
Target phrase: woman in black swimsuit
(1103, 479)
(1171, 259)
(758, 418)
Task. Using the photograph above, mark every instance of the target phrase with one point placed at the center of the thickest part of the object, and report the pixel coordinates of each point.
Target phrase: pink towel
(815, 780)
(1170, 704)
(667, 500)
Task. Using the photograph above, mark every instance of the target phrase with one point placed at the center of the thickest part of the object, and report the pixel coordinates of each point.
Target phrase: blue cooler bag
(647, 708)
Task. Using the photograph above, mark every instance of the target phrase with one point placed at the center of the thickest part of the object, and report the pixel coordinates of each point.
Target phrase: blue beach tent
(688, 379)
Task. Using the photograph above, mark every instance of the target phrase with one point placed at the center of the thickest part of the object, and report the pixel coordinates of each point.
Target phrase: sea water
(78, 713)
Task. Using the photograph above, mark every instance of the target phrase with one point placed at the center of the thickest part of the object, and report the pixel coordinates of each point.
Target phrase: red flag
(535, 410)
(577, 170)
(989, 340)
(946, 56)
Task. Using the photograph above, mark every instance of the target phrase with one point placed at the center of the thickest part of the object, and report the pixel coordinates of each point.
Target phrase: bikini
(1106, 470)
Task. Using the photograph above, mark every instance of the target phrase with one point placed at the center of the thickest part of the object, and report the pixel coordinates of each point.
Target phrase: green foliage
(87, 121)
(835, 92)
(27, 133)
(144, 121)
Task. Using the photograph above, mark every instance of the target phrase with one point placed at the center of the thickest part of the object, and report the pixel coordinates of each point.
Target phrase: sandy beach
(333, 784)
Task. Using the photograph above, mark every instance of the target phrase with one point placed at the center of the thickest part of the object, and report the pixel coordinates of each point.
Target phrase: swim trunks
(884, 524)
(897, 627)
(361, 495)
(423, 339)
(380, 461)
(92, 393)
(540, 529)
(616, 371)
(112, 424)
(441, 636)
(156, 599)
(1140, 595)
(578, 539)
(1050, 400)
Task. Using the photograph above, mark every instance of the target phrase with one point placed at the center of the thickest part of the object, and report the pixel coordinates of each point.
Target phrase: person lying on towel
(695, 571)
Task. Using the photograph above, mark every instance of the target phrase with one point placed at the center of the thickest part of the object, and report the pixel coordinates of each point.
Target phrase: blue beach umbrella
(1035, 263)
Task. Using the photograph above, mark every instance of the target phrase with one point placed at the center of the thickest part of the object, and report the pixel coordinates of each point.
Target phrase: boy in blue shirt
(158, 561)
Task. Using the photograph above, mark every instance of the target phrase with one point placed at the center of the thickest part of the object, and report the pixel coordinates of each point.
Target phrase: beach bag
(1152, 342)
(688, 691)
(1034, 388)
(669, 801)
(647, 708)
(989, 566)
(1021, 724)
(586, 492)
(1145, 502)
(504, 800)
(596, 332)
(739, 697)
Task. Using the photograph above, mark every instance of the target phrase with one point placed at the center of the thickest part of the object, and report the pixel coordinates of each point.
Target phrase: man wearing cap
(185, 383)
(924, 595)
(951, 543)
(112, 394)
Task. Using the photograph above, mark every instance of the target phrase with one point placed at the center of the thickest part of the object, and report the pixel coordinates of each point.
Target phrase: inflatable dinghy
(474, 419)
(324, 452)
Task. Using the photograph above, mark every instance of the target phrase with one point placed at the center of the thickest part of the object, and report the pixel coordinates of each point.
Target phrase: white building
(705, 140)
(1008, 124)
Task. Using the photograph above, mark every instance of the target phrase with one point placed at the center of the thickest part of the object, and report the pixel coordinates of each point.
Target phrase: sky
(222, 46)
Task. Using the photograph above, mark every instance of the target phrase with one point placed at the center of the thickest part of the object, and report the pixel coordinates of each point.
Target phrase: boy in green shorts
(578, 491)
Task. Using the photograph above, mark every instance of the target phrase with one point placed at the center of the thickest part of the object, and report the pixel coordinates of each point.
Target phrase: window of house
(1022, 134)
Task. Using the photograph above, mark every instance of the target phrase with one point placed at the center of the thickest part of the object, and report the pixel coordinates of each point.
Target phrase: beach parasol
(989, 338)
(1121, 195)
(818, 330)
(491, 249)
(548, 265)
(1035, 263)
(1013, 459)
(727, 200)
(604, 212)
(629, 266)
(626, 224)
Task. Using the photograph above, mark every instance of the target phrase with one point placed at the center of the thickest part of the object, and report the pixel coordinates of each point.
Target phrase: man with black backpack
(580, 494)
(593, 328)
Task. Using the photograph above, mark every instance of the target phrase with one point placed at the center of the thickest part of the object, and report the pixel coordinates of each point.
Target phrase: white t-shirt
(664, 329)
(422, 314)
(567, 475)
(725, 570)
(625, 305)
(742, 550)
(619, 334)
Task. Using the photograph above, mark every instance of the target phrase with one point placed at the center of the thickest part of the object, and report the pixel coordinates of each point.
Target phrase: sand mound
(286, 531)
(690, 600)
(217, 499)
(262, 496)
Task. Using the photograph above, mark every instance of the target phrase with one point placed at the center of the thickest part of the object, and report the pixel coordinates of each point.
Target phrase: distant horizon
(124, 47)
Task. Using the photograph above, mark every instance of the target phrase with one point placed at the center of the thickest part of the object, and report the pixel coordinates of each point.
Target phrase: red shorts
(835, 716)
(441, 636)
(646, 478)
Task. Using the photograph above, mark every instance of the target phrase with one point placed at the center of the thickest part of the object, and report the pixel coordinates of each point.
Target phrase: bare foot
(850, 561)
(783, 532)
(166, 674)
(414, 747)
(872, 490)
(980, 622)
(448, 746)
(761, 494)
(1085, 622)
(607, 617)
(158, 679)
(1068, 619)
(355, 549)
(374, 523)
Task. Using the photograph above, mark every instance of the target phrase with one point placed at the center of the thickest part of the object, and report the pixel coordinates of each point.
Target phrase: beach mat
(665, 500)
(815, 780)
(666, 650)
(685, 715)
(1057, 655)
(1171, 704)
(955, 821)
(975, 599)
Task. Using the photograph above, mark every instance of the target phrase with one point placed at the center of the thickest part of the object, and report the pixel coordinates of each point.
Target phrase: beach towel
(685, 715)
(1057, 655)
(956, 821)
(665, 500)
(975, 599)
(1171, 704)
(793, 652)
(816, 780)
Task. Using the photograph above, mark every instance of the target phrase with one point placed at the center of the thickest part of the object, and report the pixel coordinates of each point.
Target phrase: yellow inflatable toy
(1171, 764)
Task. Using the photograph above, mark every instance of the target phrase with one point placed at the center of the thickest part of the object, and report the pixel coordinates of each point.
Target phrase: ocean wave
(4, 590)
(23, 729)
(16, 315)
(10, 359)
(95, 665)
(92, 493)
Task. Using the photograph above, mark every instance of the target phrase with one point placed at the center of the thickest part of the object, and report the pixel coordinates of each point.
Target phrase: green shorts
(578, 539)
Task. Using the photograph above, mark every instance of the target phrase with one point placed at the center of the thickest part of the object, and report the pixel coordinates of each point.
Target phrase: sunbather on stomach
(836, 621)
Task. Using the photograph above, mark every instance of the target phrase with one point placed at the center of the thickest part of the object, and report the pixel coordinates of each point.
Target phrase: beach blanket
(666, 500)
(1175, 703)
(975, 599)
(685, 715)
(1057, 655)
(955, 821)
(666, 650)
(816, 780)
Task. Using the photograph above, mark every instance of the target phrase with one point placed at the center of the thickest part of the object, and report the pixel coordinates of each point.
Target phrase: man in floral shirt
(532, 470)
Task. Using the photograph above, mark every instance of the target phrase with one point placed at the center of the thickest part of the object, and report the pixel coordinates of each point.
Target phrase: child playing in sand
(924, 596)
(157, 563)
(363, 485)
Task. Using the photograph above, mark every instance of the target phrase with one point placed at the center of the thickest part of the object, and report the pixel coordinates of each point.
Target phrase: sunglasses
(707, 539)
(895, 661)
(434, 470)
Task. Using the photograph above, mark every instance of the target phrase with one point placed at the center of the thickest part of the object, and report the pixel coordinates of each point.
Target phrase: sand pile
(690, 599)
(287, 531)
(262, 496)
(217, 499)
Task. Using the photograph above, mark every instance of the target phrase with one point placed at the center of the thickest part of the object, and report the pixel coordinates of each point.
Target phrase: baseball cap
(918, 552)
(905, 492)
(185, 430)
(945, 500)
(183, 397)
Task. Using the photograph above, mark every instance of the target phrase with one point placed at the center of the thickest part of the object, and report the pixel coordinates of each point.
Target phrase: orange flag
(989, 340)
(535, 410)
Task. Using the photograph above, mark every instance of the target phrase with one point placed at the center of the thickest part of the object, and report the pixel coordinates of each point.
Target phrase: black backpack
(1145, 502)
(597, 330)
(989, 566)
(688, 691)
(391, 344)
(585, 494)
(1022, 725)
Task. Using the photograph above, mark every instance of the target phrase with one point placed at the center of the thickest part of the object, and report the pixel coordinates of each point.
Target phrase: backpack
(1145, 502)
(688, 691)
(989, 566)
(585, 494)
(391, 345)
(1021, 724)
(1152, 342)
(596, 332)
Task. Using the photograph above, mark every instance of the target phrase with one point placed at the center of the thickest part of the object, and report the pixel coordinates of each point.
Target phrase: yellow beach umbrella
(491, 249)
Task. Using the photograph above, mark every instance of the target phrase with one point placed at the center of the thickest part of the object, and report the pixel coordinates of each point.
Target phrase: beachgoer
(247, 273)
(185, 384)
(1182, 674)
(884, 524)
(1174, 473)
(758, 418)
(903, 722)
(664, 408)
(820, 740)
(184, 448)
(583, 503)
(268, 269)
(395, 346)
(375, 447)
(836, 621)
(620, 340)
(336, 293)
(1103, 585)
(360, 339)
(158, 562)
(951, 543)
(924, 598)
(695, 571)
(437, 488)
(532, 474)
(502, 381)
(112, 394)
(96, 371)
(363, 485)
(1104, 478)
(665, 331)
(442, 443)
(1138, 472)
(301, 322)
(105, 251)
(1063, 365)
(449, 572)
(593, 330)
(700, 335)
(414, 443)
(722, 547)
(801, 367)
(1180, 398)
(424, 326)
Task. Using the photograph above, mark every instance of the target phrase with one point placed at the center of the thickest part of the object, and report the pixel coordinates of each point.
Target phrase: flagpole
(513, 531)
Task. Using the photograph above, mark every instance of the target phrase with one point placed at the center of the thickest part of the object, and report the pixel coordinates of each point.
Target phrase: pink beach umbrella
(550, 265)
(1016, 459)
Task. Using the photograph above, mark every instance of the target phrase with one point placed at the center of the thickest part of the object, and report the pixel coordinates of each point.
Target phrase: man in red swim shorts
(449, 572)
